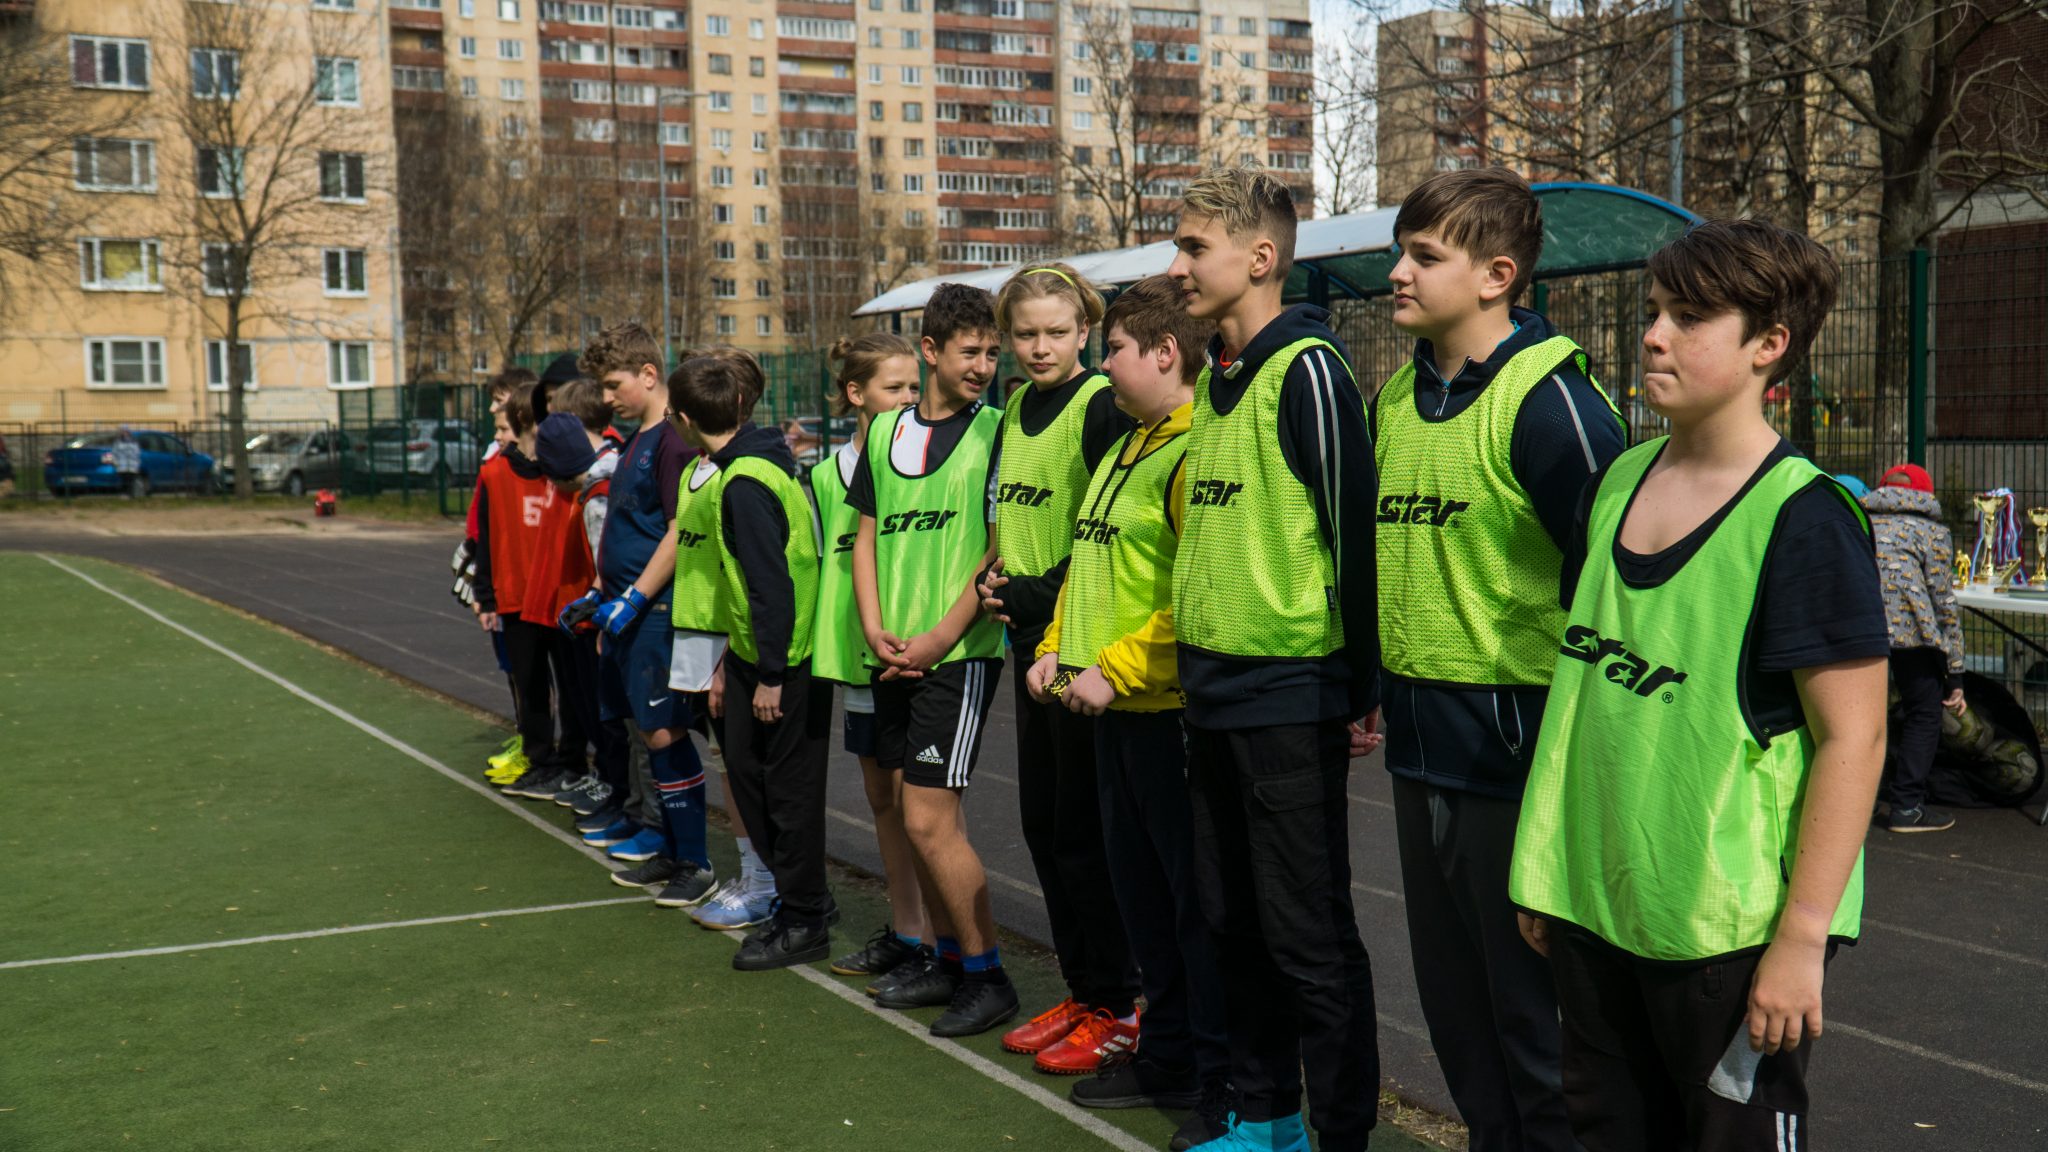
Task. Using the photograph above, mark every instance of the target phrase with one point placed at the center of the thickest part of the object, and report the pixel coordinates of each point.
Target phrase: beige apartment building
(127, 321)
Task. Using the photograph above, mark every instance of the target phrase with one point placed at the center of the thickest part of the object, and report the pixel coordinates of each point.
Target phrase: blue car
(86, 464)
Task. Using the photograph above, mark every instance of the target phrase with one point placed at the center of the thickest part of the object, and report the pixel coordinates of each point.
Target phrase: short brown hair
(583, 399)
(504, 382)
(621, 348)
(1053, 279)
(957, 308)
(1150, 311)
(1250, 203)
(717, 389)
(858, 359)
(1482, 212)
(1769, 274)
(518, 409)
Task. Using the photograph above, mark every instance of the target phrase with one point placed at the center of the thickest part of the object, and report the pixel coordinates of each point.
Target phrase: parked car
(807, 436)
(292, 462)
(423, 447)
(86, 464)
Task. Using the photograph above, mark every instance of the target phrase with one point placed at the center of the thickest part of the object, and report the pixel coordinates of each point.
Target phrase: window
(347, 271)
(1084, 85)
(913, 74)
(721, 139)
(348, 364)
(721, 176)
(874, 73)
(341, 176)
(727, 326)
(913, 38)
(100, 62)
(508, 10)
(913, 112)
(724, 250)
(874, 109)
(721, 101)
(220, 173)
(337, 80)
(757, 66)
(814, 28)
(113, 165)
(913, 183)
(720, 64)
(217, 368)
(760, 177)
(412, 79)
(761, 246)
(120, 265)
(763, 288)
(764, 326)
(1249, 26)
(467, 8)
(760, 104)
(675, 135)
(625, 17)
(721, 213)
(511, 50)
(760, 141)
(217, 273)
(124, 362)
(216, 73)
(718, 25)
(760, 217)
(913, 148)
(511, 89)
(465, 47)
(913, 217)
(724, 289)
(1083, 155)
(469, 87)
(756, 30)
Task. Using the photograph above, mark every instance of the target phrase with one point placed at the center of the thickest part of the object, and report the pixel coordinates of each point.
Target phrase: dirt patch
(118, 517)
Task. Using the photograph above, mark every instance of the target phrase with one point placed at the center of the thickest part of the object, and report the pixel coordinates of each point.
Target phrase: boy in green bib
(1485, 440)
(1690, 846)
(925, 491)
(1278, 651)
(778, 717)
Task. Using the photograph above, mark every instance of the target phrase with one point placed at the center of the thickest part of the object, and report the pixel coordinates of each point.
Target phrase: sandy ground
(116, 517)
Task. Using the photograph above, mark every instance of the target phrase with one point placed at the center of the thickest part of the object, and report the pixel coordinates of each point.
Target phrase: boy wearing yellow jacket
(1109, 652)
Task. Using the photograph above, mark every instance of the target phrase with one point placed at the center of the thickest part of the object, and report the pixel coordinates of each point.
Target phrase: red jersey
(514, 507)
(562, 567)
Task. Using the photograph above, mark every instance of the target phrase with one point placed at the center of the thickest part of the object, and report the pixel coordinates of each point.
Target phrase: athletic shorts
(859, 730)
(930, 727)
(632, 674)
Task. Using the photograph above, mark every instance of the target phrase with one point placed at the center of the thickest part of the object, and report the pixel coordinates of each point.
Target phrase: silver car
(293, 462)
(423, 448)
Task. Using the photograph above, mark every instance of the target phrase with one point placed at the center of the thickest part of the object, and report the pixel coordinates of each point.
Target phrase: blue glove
(577, 615)
(615, 616)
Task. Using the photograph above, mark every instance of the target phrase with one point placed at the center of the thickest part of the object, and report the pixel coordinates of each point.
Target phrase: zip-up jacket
(756, 531)
(1915, 555)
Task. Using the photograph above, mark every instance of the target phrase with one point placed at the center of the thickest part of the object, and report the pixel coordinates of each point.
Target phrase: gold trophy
(1962, 579)
(1988, 508)
(2040, 518)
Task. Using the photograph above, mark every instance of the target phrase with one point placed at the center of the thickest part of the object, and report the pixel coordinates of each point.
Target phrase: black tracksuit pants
(1061, 811)
(1487, 996)
(527, 647)
(1656, 1054)
(1273, 865)
(775, 773)
(1141, 769)
(1921, 676)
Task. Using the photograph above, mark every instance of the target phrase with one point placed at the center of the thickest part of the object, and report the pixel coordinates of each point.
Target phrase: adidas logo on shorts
(930, 755)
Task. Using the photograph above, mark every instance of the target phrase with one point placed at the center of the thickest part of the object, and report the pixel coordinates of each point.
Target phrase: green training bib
(839, 649)
(799, 552)
(1254, 576)
(1467, 574)
(931, 532)
(1656, 815)
(699, 602)
(1124, 547)
(1039, 481)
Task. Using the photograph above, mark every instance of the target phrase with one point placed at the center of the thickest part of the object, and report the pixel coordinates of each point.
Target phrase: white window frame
(152, 363)
(145, 150)
(341, 166)
(233, 164)
(511, 49)
(206, 281)
(726, 325)
(721, 101)
(764, 326)
(123, 47)
(469, 89)
(344, 261)
(511, 88)
(717, 25)
(92, 264)
(337, 365)
(508, 10)
(216, 366)
(328, 72)
(214, 57)
(913, 74)
(465, 47)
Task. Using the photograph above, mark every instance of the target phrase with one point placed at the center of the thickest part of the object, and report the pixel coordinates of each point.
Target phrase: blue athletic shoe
(618, 831)
(645, 844)
(599, 821)
(1283, 1135)
(737, 905)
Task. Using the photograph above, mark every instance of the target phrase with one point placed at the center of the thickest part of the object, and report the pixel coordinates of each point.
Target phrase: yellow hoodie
(1141, 666)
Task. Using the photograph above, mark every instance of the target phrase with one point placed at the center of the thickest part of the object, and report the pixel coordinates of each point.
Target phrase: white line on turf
(316, 933)
(1935, 938)
(1912, 1049)
(1094, 1125)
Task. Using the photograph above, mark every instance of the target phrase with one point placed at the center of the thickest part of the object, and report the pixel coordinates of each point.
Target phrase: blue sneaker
(618, 831)
(738, 904)
(1283, 1135)
(645, 844)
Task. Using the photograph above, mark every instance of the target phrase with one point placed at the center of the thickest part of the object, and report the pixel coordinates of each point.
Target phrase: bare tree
(1346, 151)
(52, 134)
(270, 108)
(850, 243)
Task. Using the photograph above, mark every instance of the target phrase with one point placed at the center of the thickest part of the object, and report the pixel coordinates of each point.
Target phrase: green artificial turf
(165, 795)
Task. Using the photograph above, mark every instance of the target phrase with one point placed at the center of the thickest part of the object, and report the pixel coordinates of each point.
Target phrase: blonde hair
(856, 359)
(1049, 280)
(1250, 203)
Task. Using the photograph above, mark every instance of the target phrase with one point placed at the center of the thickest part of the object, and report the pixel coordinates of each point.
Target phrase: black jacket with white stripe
(1481, 739)
(1324, 441)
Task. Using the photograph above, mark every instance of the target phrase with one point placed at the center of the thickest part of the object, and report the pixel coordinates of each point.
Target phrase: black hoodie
(756, 532)
(1480, 738)
(1324, 440)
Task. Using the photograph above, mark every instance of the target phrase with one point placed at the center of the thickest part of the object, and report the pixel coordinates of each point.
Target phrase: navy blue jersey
(643, 504)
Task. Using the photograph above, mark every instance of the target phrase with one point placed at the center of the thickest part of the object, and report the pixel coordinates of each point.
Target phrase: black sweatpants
(1141, 768)
(1921, 676)
(1061, 812)
(1273, 865)
(533, 689)
(1656, 1054)
(575, 697)
(775, 773)
(1486, 995)
(611, 747)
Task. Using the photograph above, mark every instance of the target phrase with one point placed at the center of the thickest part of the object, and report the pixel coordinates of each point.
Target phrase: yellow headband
(1050, 272)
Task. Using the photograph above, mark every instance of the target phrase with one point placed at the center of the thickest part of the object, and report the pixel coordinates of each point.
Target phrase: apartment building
(127, 319)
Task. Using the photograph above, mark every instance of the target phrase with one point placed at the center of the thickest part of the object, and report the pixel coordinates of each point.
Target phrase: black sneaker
(781, 944)
(536, 784)
(1209, 1121)
(1138, 1082)
(928, 985)
(599, 820)
(654, 870)
(593, 798)
(910, 965)
(978, 1006)
(884, 950)
(1921, 819)
(687, 886)
(573, 787)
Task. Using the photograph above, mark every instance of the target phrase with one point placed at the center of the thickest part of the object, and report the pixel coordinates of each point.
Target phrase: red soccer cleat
(1097, 1038)
(1045, 1029)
